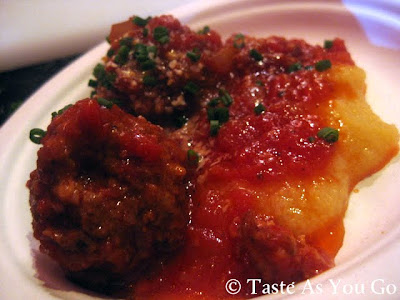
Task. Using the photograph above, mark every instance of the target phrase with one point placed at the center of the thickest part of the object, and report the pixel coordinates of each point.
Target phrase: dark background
(17, 85)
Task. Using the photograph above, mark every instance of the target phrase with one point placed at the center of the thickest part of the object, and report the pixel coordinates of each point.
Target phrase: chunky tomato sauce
(253, 150)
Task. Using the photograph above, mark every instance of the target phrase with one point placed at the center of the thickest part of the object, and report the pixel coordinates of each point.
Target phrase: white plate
(369, 254)
(29, 29)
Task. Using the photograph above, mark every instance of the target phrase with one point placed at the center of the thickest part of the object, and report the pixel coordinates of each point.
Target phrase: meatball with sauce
(156, 67)
(108, 194)
(277, 254)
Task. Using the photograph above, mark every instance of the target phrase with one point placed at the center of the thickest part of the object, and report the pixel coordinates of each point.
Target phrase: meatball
(156, 67)
(108, 193)
(277, 254)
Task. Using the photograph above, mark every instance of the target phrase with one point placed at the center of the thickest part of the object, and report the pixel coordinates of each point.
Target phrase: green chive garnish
(60, 112)
(104, 102)
(205, 30)
(214, 127)
(36, 135)
(151, 49)
(222, 114)
(217, 114)
(328, 44)
(140, 21)
(110, 52)
(213, 102)
(194, 55)
(145, 32)
(141, 53)
(122, 56)
(294, 67)
(149, 80)
(193, 157)
(103, 77)
(259, 109)
(99, 71)
(255, 55)
(225, 97)
(238, 41)
(127, 41)
(161, 34)
(148, 65)
(191, 88)
(92, 83)
(323, 65)
(329, 134)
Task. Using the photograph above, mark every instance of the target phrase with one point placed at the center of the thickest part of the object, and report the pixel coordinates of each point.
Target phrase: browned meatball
(277, 254)
(156, 67)
(108, 193)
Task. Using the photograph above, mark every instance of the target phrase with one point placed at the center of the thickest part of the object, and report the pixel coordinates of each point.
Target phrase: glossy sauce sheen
(250, 151)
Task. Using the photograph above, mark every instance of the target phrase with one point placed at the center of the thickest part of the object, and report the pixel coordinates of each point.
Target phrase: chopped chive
(238, 41)
(151, 49)
(205, 30)
(191, 88)
(211, 113)
(61, 111)
(193, 157)
(140, 21)
(99, 71)
(141, 53)
(108, 39)
(222, 114)
(126, 41)
(145, 32)
(255, 55)
(161, 34)
(294, 67)
(93, 83)
(164, 39)
(311, 139)
(142, 56)
(214, 127)
(36, 135)
(213, 102)
(225, 97)
(104, 102)
(122, 56)
(329, 134)
(259, 83)
(323, 65)
(308, 67)
(194, 55)
(148, 65)
(92, 93)
(149, 80)
(103, 77)
(260, 108)
(328, 44)
(110, 52)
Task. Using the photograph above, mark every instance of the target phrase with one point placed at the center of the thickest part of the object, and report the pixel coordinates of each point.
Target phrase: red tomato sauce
(250, 147)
